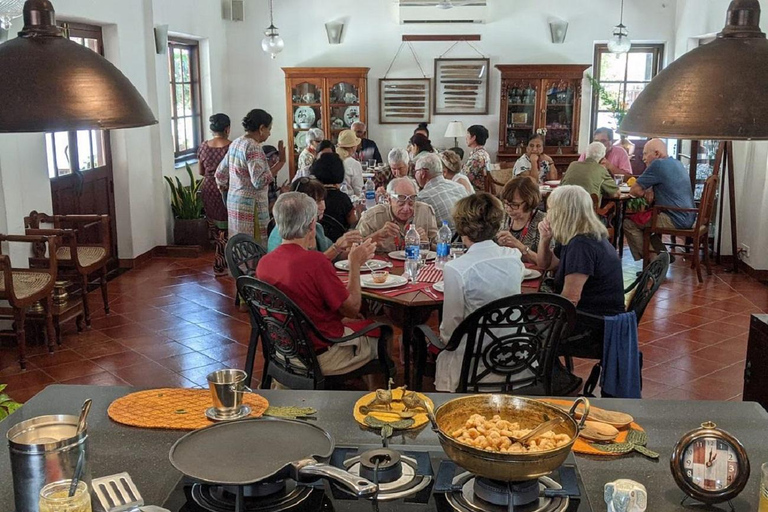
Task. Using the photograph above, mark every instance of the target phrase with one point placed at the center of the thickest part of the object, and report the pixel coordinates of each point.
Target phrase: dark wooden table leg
(619, 228)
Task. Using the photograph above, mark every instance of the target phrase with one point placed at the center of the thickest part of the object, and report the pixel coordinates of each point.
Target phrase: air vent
(442, 11)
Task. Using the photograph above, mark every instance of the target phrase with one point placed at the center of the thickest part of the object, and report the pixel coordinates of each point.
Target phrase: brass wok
(505, 467)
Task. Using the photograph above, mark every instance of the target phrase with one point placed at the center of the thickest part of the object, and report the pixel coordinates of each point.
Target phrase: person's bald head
(403, 186)
(653, 150)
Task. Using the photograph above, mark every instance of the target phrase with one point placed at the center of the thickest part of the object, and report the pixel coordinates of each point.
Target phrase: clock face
(710, 464)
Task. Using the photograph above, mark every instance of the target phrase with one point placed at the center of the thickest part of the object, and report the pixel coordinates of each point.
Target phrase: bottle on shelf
(412, 241)
(443, 245)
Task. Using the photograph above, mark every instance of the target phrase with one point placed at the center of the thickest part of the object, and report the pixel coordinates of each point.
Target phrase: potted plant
(189, 226)
(7, 406)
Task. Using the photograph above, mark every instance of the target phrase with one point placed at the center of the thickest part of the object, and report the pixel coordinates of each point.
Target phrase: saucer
(212, 415)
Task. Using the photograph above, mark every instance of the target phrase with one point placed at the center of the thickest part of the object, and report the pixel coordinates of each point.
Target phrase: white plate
(439, 286)
(624, 189)
(374, 264)
(531, 273)
(393, 281)
(351, 115)
(301, 140)
(400, 255)
(367, 175)
(552, 183)
(304, 115)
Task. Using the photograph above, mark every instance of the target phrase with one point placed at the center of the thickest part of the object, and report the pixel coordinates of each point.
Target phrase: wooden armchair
(76, 257)
(22, 287)
(699, 233)
(607, 212)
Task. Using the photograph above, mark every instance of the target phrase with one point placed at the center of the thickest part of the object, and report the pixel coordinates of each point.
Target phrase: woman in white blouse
(536, 164)
(353, 171)
(309, 154)
(486, 272)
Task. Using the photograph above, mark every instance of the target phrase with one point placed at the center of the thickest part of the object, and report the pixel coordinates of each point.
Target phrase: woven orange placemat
(585, 447)
(173, 408)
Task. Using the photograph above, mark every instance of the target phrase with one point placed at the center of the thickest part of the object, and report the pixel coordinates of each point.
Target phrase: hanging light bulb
(273, 43)
(620, 42)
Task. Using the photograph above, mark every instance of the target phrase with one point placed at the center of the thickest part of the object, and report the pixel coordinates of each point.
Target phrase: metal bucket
(44, 449)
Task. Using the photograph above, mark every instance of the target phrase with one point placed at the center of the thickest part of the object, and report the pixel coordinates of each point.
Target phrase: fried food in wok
(496, 435)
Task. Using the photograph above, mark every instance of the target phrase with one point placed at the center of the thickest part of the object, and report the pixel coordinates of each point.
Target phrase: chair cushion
(26, 284)
(87, 255)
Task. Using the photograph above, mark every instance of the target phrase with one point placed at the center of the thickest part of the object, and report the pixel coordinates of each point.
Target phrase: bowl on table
(380, 276)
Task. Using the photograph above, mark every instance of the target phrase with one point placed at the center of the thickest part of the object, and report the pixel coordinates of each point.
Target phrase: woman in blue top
(316, 190)
(587, 268)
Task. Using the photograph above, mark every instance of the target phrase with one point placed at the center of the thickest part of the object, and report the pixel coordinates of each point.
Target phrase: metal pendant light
(273, 43)
(50, 83)
(715, 91)
(620, 42)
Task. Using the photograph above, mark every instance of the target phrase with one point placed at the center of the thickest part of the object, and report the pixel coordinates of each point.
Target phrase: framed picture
(404, 100)
(461, 86)
(520, 118)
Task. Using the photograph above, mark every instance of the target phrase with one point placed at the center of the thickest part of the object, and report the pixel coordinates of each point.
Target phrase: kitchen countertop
(144, 453)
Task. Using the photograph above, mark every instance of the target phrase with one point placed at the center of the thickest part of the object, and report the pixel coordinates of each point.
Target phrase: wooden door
(305, 106)
(80, 161)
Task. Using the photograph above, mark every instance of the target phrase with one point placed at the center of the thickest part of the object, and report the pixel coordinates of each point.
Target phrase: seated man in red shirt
(310, 280)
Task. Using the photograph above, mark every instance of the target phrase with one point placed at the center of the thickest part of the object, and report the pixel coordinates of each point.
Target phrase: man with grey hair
(309, 279)
(386, 224)
(368, 149)
(590, 175)
(615, 161)
(438, 192)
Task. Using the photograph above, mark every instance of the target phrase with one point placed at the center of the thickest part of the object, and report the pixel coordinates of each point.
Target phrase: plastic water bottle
(345, 188)
(412, 242)
(443, 245)
(370, 194)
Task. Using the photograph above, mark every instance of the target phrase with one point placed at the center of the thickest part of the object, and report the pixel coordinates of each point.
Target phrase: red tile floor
(172, 322)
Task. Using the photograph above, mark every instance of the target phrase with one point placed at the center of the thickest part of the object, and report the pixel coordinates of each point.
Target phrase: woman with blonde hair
(353, 171)
(587, 268)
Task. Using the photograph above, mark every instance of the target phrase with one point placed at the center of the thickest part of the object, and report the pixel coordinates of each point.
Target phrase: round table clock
(710, 465)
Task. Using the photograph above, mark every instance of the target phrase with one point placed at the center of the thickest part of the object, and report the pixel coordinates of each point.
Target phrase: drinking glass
(423, 252)
(54, 497)
(457, 249)
(763, 507)
(619, 179)
(371, 165)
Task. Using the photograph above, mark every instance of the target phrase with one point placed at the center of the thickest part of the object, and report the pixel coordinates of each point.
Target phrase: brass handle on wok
(572, 412)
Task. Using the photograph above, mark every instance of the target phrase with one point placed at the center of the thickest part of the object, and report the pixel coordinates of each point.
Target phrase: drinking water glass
(457, 249)
(423, 253)
(619, 179)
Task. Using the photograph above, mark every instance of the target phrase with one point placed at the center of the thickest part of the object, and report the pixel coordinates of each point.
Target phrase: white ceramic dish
(552, 183)
(531, 273)
(393, 281)
(439, 286)
(400, 255)
(351, 115)
(373, 264)
(304, 116)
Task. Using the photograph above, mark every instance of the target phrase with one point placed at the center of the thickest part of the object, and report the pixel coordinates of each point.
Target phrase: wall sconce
(161, 39)
(558, 29)
(334, 29)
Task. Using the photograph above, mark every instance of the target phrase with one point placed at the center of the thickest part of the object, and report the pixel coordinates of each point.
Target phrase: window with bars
(78, 150)
(186, 118)
(623, 76)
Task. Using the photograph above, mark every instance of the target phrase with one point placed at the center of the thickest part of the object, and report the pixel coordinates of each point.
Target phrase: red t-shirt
(309, 279)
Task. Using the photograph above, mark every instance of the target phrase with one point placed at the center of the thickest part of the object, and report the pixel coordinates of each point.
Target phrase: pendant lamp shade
(50, 83)
(715, 91)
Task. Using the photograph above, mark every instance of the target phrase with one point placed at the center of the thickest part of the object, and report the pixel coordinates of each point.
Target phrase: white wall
(518, 33)
(695, 19)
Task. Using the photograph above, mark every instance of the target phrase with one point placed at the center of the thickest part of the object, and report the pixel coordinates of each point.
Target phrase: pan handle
(430, 414)
(358, 485)
(572, 413)
(245, 389)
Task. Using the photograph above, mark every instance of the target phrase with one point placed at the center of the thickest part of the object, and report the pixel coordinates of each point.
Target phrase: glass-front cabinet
(331, 99)
(535, 98)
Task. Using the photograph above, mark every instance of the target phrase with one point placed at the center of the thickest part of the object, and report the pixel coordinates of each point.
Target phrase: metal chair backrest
(332, 227)
(646, 285)
(513, 342)
(243, 254)
(286, 335)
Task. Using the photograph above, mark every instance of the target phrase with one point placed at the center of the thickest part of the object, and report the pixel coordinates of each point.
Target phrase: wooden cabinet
(540, 96)
(755, 376)
(327, 98)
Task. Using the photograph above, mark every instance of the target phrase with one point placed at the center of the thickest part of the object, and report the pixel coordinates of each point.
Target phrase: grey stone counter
(144, 453)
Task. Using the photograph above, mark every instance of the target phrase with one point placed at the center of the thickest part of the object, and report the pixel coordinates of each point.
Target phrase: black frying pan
(261, 449)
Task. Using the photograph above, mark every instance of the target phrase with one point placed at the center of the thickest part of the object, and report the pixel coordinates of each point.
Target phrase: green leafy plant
(186, 202)
(636, 204)
(617, 108)
(7, 405)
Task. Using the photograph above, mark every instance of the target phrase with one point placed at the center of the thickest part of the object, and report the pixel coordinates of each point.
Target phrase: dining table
(413, 304)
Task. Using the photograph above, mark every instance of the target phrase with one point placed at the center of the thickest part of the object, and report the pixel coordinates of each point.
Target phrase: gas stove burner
(483, 495)
(267, 497)
(382, 465)
(407, 483)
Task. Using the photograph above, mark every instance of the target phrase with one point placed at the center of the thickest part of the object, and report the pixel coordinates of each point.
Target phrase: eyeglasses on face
(402, 198)
(512, 205)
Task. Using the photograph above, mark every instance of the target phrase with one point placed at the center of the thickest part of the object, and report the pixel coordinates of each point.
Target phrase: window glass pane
(633, 91)
(612, 97)
(173, 134)
(187, 100)
(190, 132)
(99, 149)
(606, 119)
(185, 66)
(612, 66)
(50, 156)
(93, 44)
(78, 40)
(179, 100)
(181, 134)
(639, 67)
(84, 150)
(177, 64)
(62, 152)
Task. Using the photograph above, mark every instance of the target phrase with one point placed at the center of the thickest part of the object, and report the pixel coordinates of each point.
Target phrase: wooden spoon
(596, 431)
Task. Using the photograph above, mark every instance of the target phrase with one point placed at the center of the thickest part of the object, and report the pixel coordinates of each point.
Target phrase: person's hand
(359, 254)
(604, 162)
(281, 151)
(649, 196)
(390, 230)
(506, 239)
(422, 234)
(348, 239)
(545, 233)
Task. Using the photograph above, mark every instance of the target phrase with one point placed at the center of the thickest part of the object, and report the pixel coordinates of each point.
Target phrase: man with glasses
(616, 160)
(438, 192)
(386, 223)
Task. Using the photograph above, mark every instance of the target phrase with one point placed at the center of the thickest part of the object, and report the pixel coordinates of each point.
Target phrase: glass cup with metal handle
(54, 497)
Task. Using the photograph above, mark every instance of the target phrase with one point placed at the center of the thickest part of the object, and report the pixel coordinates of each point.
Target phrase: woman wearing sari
(244, 176)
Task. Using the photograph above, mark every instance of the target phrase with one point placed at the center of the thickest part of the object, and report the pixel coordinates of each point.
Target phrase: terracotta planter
(190, 232)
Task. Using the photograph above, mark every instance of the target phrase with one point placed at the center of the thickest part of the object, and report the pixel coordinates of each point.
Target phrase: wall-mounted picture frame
(461, 86)
(405, 100)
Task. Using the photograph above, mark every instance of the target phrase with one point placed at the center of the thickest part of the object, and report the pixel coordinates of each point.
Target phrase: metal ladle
(81, 423)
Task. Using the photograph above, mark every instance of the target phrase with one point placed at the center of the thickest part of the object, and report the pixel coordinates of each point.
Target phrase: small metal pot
(505, 467)
(44, 449)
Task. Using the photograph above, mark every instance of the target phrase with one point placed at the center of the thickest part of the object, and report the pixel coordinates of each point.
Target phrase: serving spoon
(547, 425)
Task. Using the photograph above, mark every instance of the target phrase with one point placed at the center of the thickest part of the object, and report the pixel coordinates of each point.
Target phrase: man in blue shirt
(667, 184)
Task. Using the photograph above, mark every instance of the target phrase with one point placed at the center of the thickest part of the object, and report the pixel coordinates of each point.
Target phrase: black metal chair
(286, 334)
(512, 342)
(243, 254)
(332, 227)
